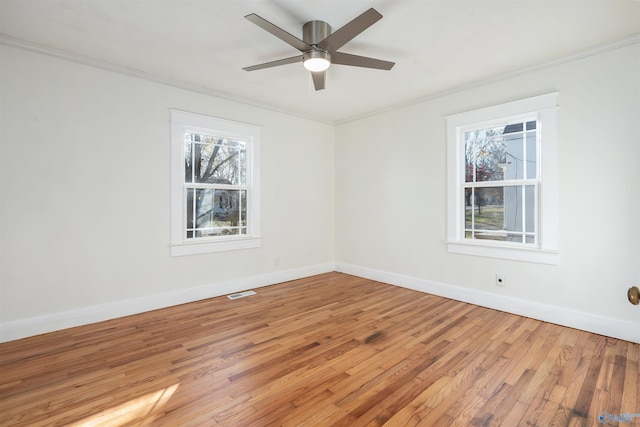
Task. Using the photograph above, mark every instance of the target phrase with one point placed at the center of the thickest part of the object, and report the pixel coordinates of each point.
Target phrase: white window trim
(545, 107)
(182, 122)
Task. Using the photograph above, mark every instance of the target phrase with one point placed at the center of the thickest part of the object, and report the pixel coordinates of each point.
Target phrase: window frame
(544, 109)
(185, 122)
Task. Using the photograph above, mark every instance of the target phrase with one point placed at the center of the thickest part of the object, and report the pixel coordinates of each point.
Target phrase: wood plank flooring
(329, 350)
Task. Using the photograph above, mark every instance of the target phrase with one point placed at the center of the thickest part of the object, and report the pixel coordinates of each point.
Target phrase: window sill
(526, 254)
(203, 247)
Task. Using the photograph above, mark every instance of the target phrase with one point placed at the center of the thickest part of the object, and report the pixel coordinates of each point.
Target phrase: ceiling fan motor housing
(313, 32)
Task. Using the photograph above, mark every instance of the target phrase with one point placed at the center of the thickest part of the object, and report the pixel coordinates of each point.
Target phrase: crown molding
(155, 78)
(92, 62)
(592, 51)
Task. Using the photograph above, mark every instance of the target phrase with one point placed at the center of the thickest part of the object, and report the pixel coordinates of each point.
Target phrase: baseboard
(607, 326)
(628, 331)
(22, 328)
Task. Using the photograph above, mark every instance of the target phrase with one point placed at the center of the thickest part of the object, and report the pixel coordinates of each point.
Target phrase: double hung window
(502, 181)
(215, 187)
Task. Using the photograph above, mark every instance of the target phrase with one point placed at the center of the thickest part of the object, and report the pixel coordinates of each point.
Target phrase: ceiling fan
(319, 46)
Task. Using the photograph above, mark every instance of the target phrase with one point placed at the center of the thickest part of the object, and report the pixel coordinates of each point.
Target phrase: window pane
(242, 166)
(484, 214)
(242, 224)
(213, 160)
(530, 208)
(205, 208)
(489, 208)
(513, 208)
(514, 168)
(216, 212)
(484, 155)
(513, 128)
(190, 210)
(468, 210)
(532, 162)
(188, 161)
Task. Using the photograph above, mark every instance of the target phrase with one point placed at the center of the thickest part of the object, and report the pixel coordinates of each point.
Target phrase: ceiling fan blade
(347, 32)
(278, 32)
(360, 61)
(319, 78)
(274, 63)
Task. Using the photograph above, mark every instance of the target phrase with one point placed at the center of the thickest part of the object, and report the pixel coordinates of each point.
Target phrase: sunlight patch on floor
(138, 409)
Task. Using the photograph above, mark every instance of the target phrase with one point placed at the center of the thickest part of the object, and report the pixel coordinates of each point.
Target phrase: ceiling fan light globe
(316, 64)
(316, 61)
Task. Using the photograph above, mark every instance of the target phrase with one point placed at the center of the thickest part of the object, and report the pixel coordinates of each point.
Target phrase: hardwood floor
(329, 350)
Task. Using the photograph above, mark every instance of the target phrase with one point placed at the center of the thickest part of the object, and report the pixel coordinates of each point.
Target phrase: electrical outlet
(500, 280)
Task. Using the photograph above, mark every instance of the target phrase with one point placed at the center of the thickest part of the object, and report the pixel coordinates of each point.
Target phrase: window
(215, 192)
(502, 181)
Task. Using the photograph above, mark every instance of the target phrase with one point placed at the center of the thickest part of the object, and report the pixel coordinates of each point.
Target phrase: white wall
(85, 164)
(84, 201)
(391, 195)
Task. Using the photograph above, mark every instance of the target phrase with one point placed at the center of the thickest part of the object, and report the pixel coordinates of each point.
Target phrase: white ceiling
(437, 45)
